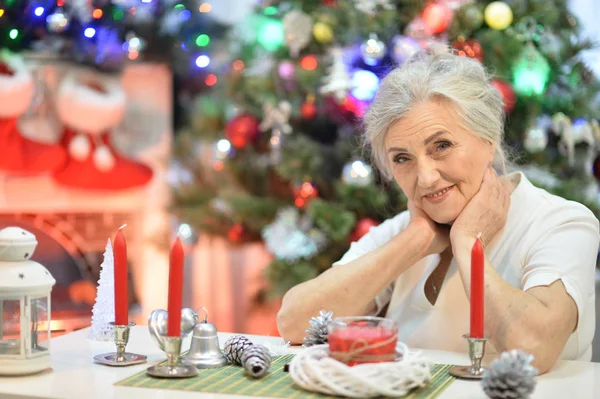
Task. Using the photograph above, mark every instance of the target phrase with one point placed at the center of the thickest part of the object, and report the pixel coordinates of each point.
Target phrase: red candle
(352, 338)
(477, 263)
(175, 290)
(121, 294)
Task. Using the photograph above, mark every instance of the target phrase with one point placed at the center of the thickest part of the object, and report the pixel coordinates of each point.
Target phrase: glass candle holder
(362, 339)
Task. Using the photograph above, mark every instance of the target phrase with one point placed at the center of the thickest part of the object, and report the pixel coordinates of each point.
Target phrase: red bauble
(362, 227)
(308, 110)
(236, 233)
(304, 193)
(437, 17)
(507, 92)
(242, 130)
(6, 70)
(469, 48)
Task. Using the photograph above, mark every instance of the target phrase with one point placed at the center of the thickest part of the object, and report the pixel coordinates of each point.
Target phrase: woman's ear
(491, 151)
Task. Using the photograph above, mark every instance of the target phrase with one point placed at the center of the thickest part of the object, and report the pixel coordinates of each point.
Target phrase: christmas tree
(108, 34)
(272, 152)
(103, 312)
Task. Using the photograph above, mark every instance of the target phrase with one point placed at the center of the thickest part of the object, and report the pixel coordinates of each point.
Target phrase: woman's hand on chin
(438, 235)
(485, 213)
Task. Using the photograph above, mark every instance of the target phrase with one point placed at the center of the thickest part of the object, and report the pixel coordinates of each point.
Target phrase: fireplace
(72, 226)
(71, 247)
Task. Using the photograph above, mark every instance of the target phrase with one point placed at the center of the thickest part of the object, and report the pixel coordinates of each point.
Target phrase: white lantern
(25, 288)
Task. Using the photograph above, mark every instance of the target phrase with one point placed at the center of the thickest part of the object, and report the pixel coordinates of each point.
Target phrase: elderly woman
(436, 128)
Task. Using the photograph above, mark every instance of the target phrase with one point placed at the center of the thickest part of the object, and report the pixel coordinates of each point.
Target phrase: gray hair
(429, 76)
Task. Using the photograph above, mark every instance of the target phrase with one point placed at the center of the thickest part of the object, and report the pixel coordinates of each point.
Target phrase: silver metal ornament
(536, 140)
(58, 21)
(357, 173)
(373, 49)
(297, 29)
(189, 318)
(157, 324)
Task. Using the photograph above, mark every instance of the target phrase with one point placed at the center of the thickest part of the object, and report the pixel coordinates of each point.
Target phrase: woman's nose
(427, 173)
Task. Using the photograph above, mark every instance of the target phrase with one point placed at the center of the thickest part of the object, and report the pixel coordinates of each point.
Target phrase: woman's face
(437, 163)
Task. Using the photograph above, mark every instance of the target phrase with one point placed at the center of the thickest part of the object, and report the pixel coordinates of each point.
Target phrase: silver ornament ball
(535, 140)
(58, 21)
(297, 28)
(357, 173)
(189, 319)
(373, 49)
(404, 48)
(158, 319)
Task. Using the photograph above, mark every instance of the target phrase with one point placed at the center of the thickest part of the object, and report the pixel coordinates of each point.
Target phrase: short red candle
(355, 336)
(121, 292)
(477, 263)
(175, 290)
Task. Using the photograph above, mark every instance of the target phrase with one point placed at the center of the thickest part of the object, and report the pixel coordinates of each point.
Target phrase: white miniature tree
(338, 81)
(104, 309)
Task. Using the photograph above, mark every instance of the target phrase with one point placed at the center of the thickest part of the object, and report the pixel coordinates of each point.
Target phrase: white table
(74, 375)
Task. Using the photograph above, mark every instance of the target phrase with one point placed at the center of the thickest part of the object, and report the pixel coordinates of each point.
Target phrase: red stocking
(85, 174)
(19, 155)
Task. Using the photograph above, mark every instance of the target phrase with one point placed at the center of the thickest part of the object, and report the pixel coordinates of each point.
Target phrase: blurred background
(234, 124)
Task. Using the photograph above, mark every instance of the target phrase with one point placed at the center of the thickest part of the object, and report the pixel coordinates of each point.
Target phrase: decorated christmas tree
(273, 153)
(107, 34)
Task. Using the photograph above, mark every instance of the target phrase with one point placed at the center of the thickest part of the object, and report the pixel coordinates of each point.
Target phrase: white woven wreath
(313, 370)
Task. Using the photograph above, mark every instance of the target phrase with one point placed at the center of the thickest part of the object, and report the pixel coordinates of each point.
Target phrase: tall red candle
(121, 292)
(175, 290)
(477, 263)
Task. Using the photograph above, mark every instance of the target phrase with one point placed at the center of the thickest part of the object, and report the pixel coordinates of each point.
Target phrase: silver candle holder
(476, 352)
(120, 358)
(175, 367)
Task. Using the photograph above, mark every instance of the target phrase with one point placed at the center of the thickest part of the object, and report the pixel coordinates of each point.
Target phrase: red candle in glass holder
(363, 340)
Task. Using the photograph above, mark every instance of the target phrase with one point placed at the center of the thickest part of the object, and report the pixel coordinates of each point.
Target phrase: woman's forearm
(350, 289)
(515, 318)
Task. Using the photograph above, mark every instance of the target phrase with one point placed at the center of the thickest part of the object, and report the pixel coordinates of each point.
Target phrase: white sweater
(545, 238)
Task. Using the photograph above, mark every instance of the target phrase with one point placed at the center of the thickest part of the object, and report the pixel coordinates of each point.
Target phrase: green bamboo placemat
(276, 384)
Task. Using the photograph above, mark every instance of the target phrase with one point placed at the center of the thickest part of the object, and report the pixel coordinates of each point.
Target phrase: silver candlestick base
(476, 353)
(175, 366)
(120, 358)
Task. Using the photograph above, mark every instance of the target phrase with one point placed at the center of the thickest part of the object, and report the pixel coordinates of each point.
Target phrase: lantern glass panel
(10, 328)
(40, 322)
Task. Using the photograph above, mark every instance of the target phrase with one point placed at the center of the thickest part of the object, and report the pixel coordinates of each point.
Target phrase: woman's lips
(440, 195)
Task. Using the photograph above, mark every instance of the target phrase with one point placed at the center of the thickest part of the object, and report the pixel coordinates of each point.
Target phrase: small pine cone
(234, 348)
(256, 360)
(317, 334)
(511, 376)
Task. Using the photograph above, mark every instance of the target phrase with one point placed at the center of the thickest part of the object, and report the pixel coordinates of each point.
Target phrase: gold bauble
(498, 15)
(322, 32)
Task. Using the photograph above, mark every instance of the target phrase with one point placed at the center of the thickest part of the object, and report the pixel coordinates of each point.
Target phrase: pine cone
(317, 334)
(256, 360)
(234, 348)
(510, 376)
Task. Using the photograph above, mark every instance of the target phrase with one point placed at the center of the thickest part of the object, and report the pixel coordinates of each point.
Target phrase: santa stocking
(18, 154)
(89, 108)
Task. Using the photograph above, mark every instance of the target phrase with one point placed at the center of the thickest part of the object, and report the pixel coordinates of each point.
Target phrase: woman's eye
(400, 159)
(443, 145)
